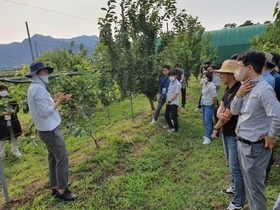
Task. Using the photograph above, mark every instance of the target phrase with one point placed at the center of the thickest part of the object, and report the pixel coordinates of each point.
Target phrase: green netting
(234, 40)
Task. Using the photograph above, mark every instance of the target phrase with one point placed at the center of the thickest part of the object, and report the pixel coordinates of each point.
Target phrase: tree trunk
(152, 104)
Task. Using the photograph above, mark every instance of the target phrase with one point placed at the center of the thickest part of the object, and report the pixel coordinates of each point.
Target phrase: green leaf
(2, 109)
(84, 132)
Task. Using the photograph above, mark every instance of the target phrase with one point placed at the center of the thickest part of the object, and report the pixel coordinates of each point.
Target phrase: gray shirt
(216, 81)
(259, 112)
(174, 88)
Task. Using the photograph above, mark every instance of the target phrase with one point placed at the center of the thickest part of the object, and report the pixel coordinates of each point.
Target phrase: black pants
(199, 105)
(183, 91)
(171, 114)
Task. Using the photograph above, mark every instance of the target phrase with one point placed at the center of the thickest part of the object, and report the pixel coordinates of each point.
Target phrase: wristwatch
(169, 102)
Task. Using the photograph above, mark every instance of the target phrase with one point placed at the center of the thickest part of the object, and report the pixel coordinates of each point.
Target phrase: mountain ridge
(14, 54)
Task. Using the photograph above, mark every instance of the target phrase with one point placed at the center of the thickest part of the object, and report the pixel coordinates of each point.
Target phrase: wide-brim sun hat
(37, 66)
(228, 66)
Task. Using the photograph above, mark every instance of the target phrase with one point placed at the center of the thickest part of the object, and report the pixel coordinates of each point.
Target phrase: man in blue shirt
(44, 112)
(275, 59)
(257, 127)
(275, 74)
(265, 71)
(162, 90)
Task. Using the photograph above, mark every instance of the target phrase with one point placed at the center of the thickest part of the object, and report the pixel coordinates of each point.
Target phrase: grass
(138, 166)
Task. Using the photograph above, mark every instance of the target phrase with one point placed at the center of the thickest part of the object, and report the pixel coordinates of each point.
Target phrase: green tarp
(234, 40)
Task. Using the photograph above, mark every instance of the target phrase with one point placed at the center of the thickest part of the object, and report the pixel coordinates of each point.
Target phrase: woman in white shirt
(209, 103)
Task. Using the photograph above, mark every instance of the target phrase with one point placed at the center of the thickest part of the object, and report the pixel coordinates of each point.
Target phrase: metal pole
(36, 49)
(2, 175)
(29, 41)
(3, 180)
(131, 107)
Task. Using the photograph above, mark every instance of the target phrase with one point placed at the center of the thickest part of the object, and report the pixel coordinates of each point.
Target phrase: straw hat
(229, 66)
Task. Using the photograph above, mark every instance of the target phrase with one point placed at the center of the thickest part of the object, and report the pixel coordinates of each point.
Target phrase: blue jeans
(230, 146)
(159, 106)
(207, 114)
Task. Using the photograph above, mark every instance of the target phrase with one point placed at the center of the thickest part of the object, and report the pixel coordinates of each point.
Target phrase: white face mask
(203, 81)
(239, 74)
(4, 93)
(171, 79)
(44, 78)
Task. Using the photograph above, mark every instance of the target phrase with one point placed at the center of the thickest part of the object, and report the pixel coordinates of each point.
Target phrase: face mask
(203, 81)
(44, 78)
(239, 74)
(3, 93)
(171, 79)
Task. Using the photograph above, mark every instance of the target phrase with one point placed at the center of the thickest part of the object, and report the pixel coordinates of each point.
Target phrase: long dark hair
(208, 74)
(2, 87)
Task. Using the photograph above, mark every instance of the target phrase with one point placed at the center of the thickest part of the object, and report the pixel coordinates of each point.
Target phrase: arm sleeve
(159, 86)
(235, 105)
(272, 109)
(178, 88)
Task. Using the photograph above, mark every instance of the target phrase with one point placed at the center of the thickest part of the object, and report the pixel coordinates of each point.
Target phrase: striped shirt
(208, 93)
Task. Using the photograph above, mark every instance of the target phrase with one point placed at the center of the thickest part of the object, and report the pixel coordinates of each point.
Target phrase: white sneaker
(197, 110)
(153, 122)
(229, 191)
(17, 153)
(206, 140)
(233, 206)
(172, 130)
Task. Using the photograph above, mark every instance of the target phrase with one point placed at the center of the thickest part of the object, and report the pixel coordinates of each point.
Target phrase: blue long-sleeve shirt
(277, 80)
(40, 103)
(269, 78)
(163, 83)
(259, 112)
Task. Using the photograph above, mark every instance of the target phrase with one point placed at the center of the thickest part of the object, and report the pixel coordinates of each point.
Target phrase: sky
(69, 18)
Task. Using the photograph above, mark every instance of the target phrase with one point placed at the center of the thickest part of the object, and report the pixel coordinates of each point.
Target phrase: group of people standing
(248, 119)
(171, 83)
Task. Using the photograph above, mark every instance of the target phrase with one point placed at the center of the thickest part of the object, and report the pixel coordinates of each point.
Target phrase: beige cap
(229, 66)
(268, 60)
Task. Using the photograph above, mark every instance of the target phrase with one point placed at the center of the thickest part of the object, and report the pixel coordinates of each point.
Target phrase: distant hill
(14, 54)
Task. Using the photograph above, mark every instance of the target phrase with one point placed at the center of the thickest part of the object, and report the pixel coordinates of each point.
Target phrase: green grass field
(138, 166)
